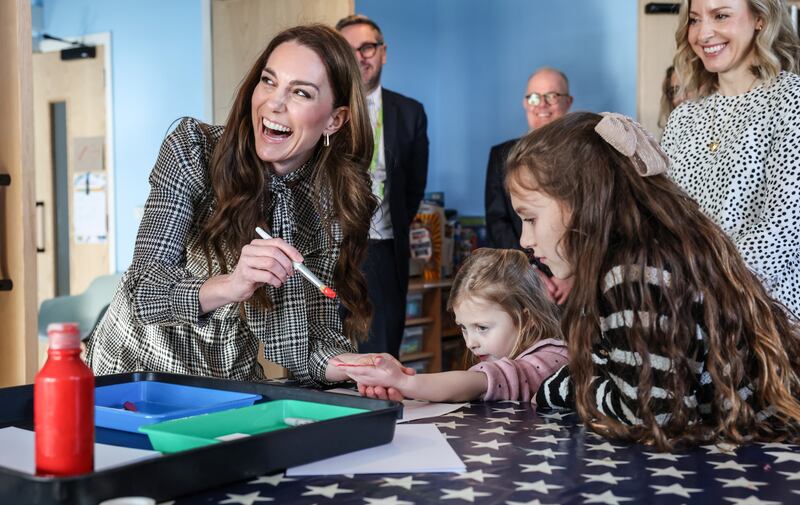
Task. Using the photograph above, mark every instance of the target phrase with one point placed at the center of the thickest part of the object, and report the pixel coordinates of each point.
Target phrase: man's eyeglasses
(551, 98)
(368, 49)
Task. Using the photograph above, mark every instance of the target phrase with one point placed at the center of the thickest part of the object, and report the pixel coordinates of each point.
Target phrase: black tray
(186, 472)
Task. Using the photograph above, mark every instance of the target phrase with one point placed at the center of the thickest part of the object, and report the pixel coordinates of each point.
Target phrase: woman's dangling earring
(327, 140)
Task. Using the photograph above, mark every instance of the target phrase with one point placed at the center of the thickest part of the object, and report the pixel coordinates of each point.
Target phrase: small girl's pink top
(520, 378)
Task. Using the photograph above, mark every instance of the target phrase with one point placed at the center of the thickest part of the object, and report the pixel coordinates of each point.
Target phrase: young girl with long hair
(203, 290)
(672, 339)
(509, 325)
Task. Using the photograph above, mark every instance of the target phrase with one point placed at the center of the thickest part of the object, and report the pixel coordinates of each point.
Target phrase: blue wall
(157, 65)
(468, 62)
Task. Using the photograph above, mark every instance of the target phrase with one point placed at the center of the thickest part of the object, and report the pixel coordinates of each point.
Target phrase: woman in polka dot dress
(736, 148)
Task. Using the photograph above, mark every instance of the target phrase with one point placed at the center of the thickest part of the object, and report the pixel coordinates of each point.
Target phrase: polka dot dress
(751, 185)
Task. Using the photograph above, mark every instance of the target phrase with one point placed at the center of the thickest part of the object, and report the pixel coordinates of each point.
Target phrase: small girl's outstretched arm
(451, 386)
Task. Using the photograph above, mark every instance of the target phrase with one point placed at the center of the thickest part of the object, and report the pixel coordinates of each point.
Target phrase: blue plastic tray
(160, 401)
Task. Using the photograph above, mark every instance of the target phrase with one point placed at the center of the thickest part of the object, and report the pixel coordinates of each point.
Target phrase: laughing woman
(736, 148)
(201, 293)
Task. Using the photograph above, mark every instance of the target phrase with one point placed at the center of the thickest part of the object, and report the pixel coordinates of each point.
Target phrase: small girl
(671, 338)
(509, 326)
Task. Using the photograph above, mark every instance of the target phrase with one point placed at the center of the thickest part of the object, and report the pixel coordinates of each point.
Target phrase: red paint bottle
(63, 406)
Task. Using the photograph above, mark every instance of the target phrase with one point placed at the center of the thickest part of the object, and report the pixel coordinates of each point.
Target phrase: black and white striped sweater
(617, 366)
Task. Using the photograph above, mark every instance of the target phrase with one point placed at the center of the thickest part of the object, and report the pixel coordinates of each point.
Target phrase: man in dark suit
(546, 99)
(399, 172)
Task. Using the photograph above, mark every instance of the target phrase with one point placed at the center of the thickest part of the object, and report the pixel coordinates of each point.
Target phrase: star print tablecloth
(517, 456)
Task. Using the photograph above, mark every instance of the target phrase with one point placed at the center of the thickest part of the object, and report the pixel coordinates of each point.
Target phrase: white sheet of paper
(416, 448)
(414, 409)
(19, 452)
(89, 207)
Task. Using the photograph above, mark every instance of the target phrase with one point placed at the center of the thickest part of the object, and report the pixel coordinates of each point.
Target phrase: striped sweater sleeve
(617, 367)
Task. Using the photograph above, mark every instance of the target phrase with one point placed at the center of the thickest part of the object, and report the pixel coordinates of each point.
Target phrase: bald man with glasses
(399, 172)
(546, 99)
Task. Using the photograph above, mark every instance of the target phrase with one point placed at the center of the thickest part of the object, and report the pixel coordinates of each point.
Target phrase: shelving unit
(438, 326)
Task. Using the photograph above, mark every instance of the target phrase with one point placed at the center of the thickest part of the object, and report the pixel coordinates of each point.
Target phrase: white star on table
(532, 502)
(539, 486)
(481, 458)
(663, 456)
(389, 500)
(272, 480)
(752, 500)
(459, 414)
(676, 489)
(721, 448)
(741, 482)
(611, 463)
(478, 475)
(549, 426)
(669, 472)
(730, 465)
(778, 445)
(504, 420)
(326, 491)
(606, 478)
(608, 498)
(494, 444)
(468, 494)
(559, 416)
(404, 482)
(605, 446)
(507, 410)
(452, 425)
(780, 457)
(547, 453)
(513, 402)
(543, 467)
(547, 439)
(245, 499)
(448, 436)
(791, 475)
(498, 430)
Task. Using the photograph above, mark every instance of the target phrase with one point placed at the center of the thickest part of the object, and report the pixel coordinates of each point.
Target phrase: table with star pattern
(517, 456)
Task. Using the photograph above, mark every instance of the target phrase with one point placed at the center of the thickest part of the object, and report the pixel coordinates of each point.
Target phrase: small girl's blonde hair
(506, 277)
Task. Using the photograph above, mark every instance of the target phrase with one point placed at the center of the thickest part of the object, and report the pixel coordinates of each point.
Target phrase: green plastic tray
(192, 432)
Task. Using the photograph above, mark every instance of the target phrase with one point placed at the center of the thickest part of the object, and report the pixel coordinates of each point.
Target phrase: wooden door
(241, 29)
(656, 51)
(80, 86)
(17, 248)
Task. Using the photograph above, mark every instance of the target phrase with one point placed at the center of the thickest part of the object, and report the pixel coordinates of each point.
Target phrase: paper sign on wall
(89, 207)
(87, 154)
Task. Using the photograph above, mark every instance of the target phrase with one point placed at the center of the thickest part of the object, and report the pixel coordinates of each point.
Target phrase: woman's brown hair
(618, 217)
(776, 48)
(506, 277)
(340, 175)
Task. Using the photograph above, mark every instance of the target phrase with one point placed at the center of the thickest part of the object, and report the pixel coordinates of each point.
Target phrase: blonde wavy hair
(506, 277)
(776, 48)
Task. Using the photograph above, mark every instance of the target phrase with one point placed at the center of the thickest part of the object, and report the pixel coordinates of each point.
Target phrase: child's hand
(386, 379)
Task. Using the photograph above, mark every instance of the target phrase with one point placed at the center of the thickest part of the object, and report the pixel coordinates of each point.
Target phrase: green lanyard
(378, 140)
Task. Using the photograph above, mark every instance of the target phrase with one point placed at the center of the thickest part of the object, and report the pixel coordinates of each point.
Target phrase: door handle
(5, 284)
(40, 235)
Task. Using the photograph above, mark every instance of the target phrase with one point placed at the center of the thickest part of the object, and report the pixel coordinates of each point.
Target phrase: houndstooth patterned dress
(154, 320)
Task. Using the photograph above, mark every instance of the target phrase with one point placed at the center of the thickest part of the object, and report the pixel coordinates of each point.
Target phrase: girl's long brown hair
(620, 218)
(776, 48)
(340, 175)
(506, 277)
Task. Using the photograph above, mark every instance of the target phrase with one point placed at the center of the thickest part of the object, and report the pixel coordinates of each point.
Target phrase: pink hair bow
(631, 139)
